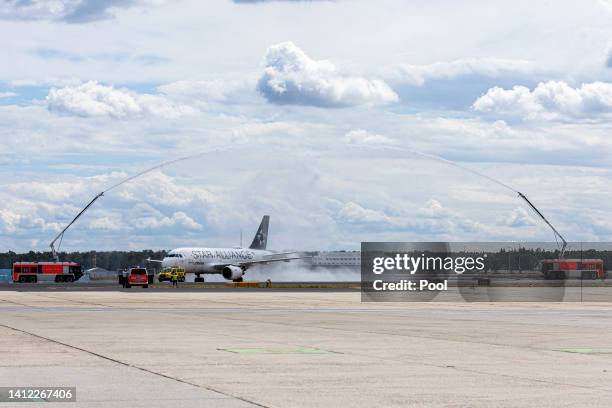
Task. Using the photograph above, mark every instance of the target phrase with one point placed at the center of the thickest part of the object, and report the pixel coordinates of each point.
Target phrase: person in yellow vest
(174, 279)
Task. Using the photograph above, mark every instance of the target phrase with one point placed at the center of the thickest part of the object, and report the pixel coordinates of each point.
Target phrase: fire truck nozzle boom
(61, 234)
(533, 207)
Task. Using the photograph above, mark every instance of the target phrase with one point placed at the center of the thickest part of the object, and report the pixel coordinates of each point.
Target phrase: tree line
(111, 260)
(529, 259)
(521, 258)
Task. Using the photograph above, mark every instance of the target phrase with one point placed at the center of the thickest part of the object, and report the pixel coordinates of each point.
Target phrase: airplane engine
(232, 272)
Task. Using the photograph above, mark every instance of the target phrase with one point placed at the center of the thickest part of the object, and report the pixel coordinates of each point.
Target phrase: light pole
(511, 249)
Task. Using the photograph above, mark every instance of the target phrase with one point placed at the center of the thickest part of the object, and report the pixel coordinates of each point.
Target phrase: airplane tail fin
(261, 237)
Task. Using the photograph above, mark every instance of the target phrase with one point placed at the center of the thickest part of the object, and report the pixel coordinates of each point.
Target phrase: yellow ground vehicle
(166, 274)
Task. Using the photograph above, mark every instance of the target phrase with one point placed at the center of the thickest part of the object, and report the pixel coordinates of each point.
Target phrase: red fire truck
(573, 268)
(46, 271)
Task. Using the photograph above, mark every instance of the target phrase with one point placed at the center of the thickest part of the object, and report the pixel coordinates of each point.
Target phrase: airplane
(232, 263)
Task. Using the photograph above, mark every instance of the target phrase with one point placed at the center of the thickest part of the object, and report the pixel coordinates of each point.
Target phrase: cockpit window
(175, 256)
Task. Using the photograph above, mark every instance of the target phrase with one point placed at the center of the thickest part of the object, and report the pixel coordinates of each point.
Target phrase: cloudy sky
(310, 111)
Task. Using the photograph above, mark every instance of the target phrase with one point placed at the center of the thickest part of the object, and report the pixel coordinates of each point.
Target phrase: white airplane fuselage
(232, 263)
(209, 260)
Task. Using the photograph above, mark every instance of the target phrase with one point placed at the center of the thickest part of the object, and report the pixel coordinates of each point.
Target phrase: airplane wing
(246, 264)
(265, 261)
(281, 253)
(153, 260)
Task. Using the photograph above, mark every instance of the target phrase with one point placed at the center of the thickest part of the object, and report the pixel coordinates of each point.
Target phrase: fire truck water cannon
(557, 234)
(60, 236)
(563, 268)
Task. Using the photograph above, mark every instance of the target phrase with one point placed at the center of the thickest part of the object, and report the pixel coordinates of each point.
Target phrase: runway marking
(73, 300)
(262, 350)
(123, 363)
(21, 304)
(583, 350)
(340, 311)
(465, 369)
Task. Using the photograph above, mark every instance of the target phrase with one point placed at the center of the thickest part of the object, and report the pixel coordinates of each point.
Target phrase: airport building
(336, 259)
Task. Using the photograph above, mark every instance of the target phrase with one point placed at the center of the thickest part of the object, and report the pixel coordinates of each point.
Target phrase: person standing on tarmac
(174, 279)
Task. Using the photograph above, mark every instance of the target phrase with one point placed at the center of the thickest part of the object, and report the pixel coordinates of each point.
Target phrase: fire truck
(33, 272)
(573, 268)
(564, 268)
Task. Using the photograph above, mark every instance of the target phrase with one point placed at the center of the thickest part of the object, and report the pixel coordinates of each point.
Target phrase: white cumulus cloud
(354, 213)
(433, 218)
(25, 219)
(444, 70)
(360, 136)
(72, 11)
(291, 77)
(109, 222)
(205, 93)
(94, 99)
(434, 209)
(548, 100)
(518, 218)
(179, 218)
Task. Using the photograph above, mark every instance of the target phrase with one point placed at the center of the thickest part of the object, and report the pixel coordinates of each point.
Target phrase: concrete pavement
(286, 349)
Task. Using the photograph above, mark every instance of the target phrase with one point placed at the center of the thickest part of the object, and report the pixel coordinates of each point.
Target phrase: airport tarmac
(303, 349)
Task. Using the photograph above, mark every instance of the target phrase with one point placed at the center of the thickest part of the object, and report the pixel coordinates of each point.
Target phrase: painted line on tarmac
(72, 300)
(21, 304)
(583, 350)
(123, 363)
(416, 362)
(266, 350)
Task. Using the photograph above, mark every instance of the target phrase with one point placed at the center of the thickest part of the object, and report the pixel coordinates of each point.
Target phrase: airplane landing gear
(198, 278)
(238, 280)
